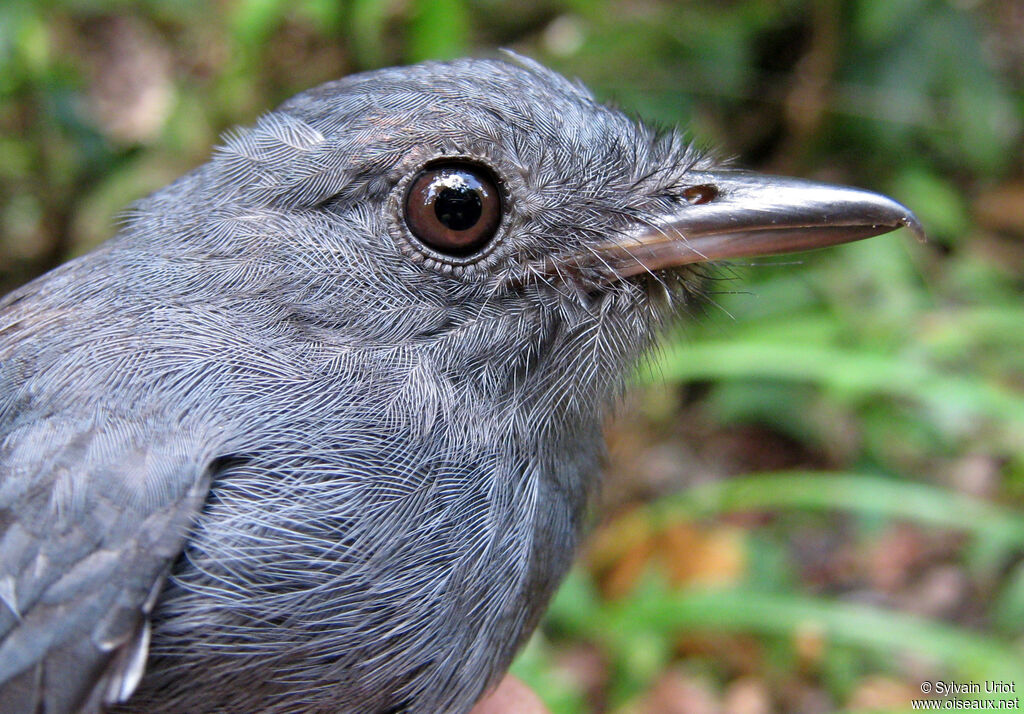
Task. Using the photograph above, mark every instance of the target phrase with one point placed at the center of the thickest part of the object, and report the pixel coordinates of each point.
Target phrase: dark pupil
(458, 208)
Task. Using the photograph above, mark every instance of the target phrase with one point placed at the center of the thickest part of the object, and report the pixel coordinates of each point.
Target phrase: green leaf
(367, 29)
(252, 21)
(854, 372)
(862, 493)
(439, 29)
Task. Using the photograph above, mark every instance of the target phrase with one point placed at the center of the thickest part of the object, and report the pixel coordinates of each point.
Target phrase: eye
(454, 208)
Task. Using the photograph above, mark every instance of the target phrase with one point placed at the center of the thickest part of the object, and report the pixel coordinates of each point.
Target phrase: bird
(318, 430)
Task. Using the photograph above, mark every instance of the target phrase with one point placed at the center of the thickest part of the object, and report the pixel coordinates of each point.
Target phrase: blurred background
(815, 495)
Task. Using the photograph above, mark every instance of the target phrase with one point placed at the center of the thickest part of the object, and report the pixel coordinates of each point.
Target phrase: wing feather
(86, 538)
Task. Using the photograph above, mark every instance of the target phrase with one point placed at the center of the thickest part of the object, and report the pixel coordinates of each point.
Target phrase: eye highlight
(454, 208)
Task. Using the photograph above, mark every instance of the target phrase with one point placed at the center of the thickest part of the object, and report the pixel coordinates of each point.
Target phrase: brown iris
(454, 208)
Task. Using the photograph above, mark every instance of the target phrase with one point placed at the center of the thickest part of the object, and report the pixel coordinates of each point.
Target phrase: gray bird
(318, 429)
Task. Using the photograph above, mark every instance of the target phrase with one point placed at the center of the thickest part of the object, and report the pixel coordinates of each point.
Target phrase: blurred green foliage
(896, 367)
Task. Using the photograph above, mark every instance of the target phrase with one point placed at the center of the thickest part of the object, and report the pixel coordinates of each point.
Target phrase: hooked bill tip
(910, 221)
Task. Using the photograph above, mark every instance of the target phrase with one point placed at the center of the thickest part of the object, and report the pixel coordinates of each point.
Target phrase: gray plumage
(271, 449)
(381, 464)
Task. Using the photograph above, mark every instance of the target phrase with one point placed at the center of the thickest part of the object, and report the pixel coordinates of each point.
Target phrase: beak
(738, 214)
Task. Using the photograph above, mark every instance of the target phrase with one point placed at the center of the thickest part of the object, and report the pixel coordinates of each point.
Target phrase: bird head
(492, 219)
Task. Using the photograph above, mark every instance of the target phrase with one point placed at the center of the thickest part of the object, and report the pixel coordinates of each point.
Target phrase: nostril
(704, 193)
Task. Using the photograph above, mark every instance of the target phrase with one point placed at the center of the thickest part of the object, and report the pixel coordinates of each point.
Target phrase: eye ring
(454, 207)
